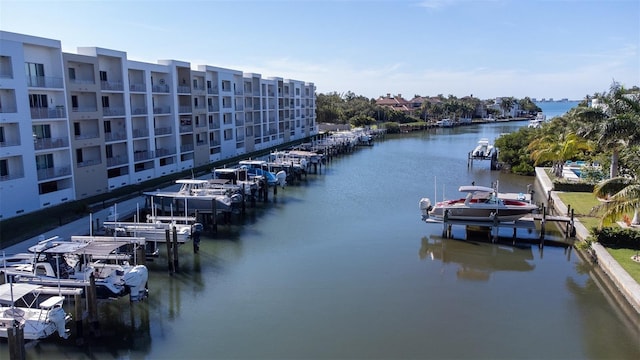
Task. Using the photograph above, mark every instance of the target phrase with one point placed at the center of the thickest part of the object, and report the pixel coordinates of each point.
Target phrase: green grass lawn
(582, 204)
(623, 257)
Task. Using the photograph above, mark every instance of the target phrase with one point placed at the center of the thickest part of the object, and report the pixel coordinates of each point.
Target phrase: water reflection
(476, 261)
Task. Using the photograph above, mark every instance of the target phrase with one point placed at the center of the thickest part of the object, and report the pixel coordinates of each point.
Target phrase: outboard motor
(282, 178)
(59, 317)
(425, 207)
(136, 281)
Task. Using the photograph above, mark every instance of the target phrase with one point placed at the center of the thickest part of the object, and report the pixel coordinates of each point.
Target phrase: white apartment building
(78, 125)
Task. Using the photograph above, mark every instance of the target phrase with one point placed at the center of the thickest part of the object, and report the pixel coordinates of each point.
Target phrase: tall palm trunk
(613, 170)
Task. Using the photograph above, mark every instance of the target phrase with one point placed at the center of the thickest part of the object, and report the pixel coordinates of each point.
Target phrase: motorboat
(70, 264)
(445, 123)
(195, 194)
(20, 303)
(483, 149)
(537, 122)
(481, 203)
(261, 169)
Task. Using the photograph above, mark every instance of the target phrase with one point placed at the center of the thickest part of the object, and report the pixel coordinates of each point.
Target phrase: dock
(532, 222)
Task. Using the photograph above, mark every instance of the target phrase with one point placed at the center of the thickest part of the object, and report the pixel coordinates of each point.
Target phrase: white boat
(445, 123)
(39, 319)
(195, 194)
(70, 264)
(483, 149)
(481, 203)
(538, 121)
(261, 169)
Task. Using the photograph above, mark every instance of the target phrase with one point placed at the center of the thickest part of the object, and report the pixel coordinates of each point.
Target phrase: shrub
(616, 237)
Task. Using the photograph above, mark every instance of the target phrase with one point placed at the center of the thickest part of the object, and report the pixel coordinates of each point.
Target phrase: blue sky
(488, 48)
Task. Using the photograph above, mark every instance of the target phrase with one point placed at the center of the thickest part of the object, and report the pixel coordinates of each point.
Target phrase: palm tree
(506, 104)
(613, 123)
(557, 148)
(625, 199)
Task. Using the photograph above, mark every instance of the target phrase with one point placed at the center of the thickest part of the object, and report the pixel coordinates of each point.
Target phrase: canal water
(342, 266)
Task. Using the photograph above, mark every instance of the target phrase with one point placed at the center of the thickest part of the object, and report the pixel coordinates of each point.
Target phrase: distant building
(77, 125)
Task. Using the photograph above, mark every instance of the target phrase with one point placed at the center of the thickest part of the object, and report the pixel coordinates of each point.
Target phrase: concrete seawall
(627, 286)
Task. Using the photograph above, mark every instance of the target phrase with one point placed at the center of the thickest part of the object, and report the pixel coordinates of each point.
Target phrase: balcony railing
(113, 111)
(50, 143)
(139, 111)
(186, 128)
(213, 90)
(160, 88)
(12, 176)
(165, 151)
(186, 148)
(142, 155)
(88, 163)
(140, 87)
(85, 136)
(183, 89)
(184, 109)
(138, 133)
(163, 130)
(162, 110)
(82, 81)
(8, 109)
(115, 136)
(214, 125)
(45, 82)
(111, 85)
(53, 172)
(213, 108)
(48, 113)
(10, 143)
(117, 160)
(84, 109)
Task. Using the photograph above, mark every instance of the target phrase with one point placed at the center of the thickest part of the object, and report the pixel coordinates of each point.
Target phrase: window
(33, 70)
(105, 101)
(76, 128)
(195, 102)
(38, 101)
(109, 151)
(107, 126)
(72, 73)
(44, 161)
(103, 76)
(195, 83)
(42, 131)
(208, 84)
(4, 168)
(79, 156)
(2, 134)
(74, 101)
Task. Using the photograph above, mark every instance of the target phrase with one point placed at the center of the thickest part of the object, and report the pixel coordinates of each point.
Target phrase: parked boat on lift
(484, 149)
(20, 303)
(481, 203)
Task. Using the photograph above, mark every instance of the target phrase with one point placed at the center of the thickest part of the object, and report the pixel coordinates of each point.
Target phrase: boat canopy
(17, 290)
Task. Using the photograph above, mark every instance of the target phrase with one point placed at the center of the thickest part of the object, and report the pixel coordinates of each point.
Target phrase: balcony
(163, 130)
(160, 88)
(87, 135)
(117, 160)
(162, 110)
(165, 152)
(182, 109)
(142, 155)
(8, 109)
(115, 136)
(10, 143)
(50, 143)
(48, 113)
(53, 172)
(186, 128)
(113, 111)
(182, 89)
(139, 111)
(84, 109)
(12, 176)
(138, 87)
(88, 163)
(45, 82)
(138, 133)
(186, 148)
(213, 90)
(111, 85)
(213, 108)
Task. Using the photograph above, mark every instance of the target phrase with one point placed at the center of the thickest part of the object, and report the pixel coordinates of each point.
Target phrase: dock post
(167, 236)
(92, 305)
(77, 318)
(496, 225)
(543, 222)
(244, 199)
(214, 215)
(15, 337)
(175, 249)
